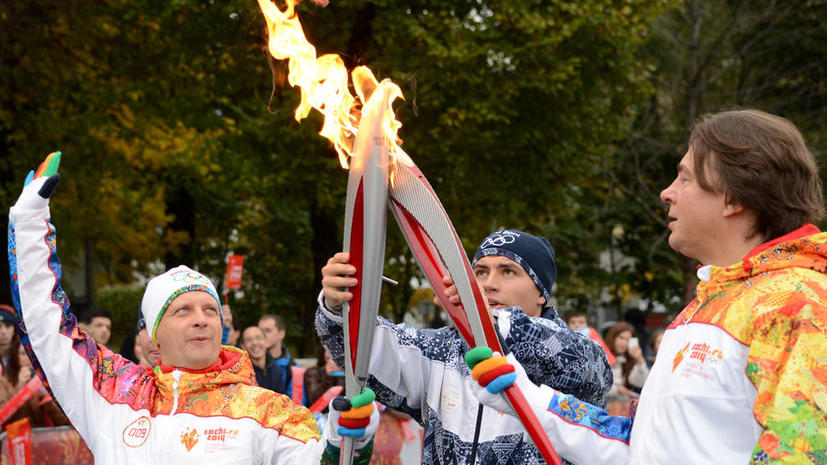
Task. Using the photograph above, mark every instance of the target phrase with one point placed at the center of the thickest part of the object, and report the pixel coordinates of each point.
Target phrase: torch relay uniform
(740, 377)
(422, 372)
(129, 414)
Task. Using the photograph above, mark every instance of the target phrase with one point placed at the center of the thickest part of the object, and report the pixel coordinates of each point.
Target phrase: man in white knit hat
(199, 403)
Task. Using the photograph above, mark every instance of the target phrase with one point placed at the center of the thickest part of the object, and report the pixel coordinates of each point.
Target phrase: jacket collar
(233, 366)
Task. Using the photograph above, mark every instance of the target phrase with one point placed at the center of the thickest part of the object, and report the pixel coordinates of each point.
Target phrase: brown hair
(760, 162)
(12, 369)
(615, 331)
(277, 319)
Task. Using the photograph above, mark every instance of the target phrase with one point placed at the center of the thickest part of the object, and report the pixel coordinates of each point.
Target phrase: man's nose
(489, 283)
(200, 317)
(668, 195)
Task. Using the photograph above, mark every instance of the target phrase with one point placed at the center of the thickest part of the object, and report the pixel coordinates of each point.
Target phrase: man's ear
(732, 209)
(541, 301)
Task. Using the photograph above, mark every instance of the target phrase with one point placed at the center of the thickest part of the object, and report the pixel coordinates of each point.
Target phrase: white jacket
(740, 377)
(129, 414)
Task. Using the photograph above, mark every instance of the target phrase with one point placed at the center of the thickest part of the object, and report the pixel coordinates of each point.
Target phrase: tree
(708, 57)
(180, 145)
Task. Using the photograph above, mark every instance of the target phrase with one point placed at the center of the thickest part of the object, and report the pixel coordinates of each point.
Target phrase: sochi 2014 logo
(702, 352)
(189, 438)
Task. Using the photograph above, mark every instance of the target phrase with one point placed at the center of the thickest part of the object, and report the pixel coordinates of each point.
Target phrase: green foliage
(123, 302)
(563, 118)
(708, 57)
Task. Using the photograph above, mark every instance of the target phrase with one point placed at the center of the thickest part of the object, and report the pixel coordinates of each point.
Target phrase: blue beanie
(533, 253)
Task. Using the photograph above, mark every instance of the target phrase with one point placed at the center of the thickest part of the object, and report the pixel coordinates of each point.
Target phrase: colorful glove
(357, 418)
(493, 374)
(40, 184)
(490, 369)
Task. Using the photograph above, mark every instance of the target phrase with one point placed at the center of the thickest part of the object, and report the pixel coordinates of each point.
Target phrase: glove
(357, 418)
(493, 373)
(40, 184)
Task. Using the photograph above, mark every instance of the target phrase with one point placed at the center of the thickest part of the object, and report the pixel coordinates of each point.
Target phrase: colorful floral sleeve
(788, 366)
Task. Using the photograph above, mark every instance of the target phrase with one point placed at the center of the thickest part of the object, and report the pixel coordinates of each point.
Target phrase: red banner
(323, 401)
(235, 267)
(20, 398)
(20, 442)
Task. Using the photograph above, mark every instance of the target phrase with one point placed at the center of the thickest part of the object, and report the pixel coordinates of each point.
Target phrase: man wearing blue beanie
(422, 372)
(516, 269)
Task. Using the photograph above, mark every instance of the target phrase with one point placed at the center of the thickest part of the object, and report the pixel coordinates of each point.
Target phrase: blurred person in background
(654, 345)
(578, 321)
(275, 330)
(629, 370)
(150, 353)
(98, 323)
(232, 327)
(17, 372)
(9, 343)
(268, 371)
(321, 377)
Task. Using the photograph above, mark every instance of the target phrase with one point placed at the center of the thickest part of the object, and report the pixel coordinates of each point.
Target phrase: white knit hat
(163, 289)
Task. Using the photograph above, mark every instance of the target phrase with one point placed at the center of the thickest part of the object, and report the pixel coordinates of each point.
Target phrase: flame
(323, 82)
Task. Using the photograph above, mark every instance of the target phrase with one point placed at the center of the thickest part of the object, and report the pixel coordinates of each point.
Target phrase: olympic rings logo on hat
(189, 277)
(499, 239)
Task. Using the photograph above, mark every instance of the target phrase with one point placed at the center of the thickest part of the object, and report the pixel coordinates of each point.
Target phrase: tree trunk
(89, 273)
(324, 244)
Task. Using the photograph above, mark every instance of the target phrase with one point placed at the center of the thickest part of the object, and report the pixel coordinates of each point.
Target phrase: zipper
(176, 375)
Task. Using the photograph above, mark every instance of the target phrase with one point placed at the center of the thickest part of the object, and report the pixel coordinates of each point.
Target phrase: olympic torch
(418, 211)
(437, 248)
(364, 239)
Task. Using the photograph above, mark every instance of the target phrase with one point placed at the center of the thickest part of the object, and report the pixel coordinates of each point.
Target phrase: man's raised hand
(40, 184)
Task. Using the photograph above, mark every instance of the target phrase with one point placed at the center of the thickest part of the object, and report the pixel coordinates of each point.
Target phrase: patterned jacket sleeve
(579, 431)
(788, 365)
(556, 356)
(400, 359)
(80, 374)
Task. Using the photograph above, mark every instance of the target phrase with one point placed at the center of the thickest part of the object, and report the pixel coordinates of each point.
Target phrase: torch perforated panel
(414, 194)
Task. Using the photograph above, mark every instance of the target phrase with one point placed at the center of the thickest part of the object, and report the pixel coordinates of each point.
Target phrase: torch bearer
(418, 211)
(437, 248)
(364, 239)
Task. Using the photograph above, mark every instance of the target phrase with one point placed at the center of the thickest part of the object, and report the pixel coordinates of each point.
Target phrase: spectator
(275, 330)
(150, 354)
(654, 345)
(637, 318)
(321, 377)
(268, 371)
(45, 410)
(577, 321)
(15, 373)
(629, 370)
(230, 328)
(129, 348)
(98, 323)
(8, 345)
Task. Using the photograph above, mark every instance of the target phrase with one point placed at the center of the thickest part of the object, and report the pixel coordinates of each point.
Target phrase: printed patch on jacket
(136, 433)
(701, 356)
(219, 439)
(189, 438)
